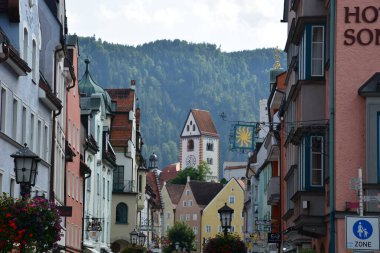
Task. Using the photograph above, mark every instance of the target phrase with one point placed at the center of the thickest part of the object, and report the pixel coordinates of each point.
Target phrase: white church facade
(199, 141)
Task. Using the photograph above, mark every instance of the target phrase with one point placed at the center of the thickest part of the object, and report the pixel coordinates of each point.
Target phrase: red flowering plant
(229, 244)
(28, 225)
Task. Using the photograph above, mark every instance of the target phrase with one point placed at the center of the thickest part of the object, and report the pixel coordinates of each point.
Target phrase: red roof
(204, 121)
(175, 192)
(121, 126)
(169, 172)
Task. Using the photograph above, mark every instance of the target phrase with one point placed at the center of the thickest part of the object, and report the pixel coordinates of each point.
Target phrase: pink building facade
(331, 119)
(74, 178)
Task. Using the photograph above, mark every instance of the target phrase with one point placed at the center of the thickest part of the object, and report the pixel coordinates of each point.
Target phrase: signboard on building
(274, 238)
(362, 233)
(244, 137)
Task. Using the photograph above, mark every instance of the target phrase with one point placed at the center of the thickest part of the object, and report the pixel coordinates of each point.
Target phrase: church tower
(199, 141)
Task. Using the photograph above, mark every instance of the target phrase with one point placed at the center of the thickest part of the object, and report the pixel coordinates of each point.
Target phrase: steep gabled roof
(175, 192)
(204, 122)
(204, 192)
(153, 188)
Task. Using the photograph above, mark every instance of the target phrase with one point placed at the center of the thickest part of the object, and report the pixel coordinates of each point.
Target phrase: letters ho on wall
(369, 16)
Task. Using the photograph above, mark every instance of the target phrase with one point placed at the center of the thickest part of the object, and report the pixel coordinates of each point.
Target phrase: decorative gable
(190, 128)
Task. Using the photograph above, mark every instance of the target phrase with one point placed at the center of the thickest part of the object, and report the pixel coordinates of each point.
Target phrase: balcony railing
(124, 186)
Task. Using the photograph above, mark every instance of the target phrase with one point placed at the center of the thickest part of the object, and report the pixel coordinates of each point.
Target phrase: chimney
(133, 84)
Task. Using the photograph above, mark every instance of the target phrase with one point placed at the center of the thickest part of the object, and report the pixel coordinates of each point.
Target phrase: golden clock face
(190, 161)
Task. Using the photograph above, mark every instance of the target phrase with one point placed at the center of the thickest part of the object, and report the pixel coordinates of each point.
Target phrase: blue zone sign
(362, 233)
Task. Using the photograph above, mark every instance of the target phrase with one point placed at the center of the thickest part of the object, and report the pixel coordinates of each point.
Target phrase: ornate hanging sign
(244, 137)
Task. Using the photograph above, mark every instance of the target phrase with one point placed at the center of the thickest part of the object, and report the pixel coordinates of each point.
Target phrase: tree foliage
(229, 244)
(174, 76)
(199, 174)
(181, 234)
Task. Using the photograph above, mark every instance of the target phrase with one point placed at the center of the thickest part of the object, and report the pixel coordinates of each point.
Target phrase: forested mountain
(174, 76)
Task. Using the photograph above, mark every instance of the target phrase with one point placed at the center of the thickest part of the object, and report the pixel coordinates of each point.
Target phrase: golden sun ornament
(244, 136)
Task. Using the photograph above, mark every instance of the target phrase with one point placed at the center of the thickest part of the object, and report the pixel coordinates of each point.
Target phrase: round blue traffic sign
(362, 229)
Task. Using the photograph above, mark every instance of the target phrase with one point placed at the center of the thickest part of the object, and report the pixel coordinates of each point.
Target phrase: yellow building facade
(232, 194)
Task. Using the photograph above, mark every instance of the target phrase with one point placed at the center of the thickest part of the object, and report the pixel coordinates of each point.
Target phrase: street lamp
(153, 161)
(25, 169)
(134, 236)
(225, 214)
(142, 238)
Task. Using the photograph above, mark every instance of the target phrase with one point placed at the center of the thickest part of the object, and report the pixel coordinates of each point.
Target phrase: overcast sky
(232, 24)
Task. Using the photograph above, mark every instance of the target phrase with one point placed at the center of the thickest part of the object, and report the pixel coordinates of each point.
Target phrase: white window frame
(320, 153)
(232, 197)
(317, 43)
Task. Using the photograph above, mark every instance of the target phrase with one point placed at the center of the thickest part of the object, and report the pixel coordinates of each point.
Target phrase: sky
(234, 25)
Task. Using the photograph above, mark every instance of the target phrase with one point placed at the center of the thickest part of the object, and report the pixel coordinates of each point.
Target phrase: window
(210, 146)
(184, 203)
(31, 134)
(3, 109)
(195, 230)
(14, 119)
(187, 217)
(12, 188)
(98, 184)
(140, 183)
(181, 217)
(39, 136)
(209, 161)
(34, 61)
(316, 161)
(81, 191)
(46, 142)
(232, 229)
(193, 127)
(187, 193)
(311, 52)
(190, 145)
(88, 182)
(121, 213)
(190, 203)
(232, 199)
(195, 216)
(118, 178)
(317, 50)
(208, 229)
(188, 128)
(26, 42)
(77, 191)
(104, 188)
(23, 125)
(68, 183)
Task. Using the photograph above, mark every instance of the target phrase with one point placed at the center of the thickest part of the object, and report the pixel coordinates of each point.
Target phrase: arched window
(190, 145)
(122, 213)
(25, 49)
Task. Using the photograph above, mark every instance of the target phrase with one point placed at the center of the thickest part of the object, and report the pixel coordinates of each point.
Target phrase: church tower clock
(199, 141)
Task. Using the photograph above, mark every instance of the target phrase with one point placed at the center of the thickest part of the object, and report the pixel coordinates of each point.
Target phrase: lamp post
(134, 236)
(225, 214)
(142, 238)
(25, 169)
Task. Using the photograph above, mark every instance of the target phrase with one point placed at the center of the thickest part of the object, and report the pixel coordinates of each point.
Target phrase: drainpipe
(53, 133)
(332, 126)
